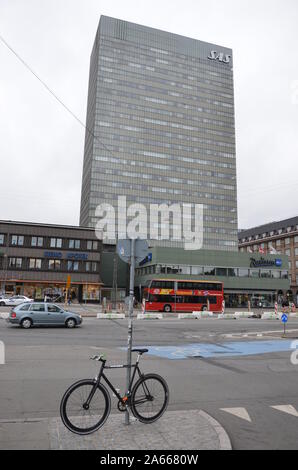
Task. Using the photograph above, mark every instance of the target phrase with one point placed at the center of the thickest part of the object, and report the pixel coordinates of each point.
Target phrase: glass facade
(162, 114)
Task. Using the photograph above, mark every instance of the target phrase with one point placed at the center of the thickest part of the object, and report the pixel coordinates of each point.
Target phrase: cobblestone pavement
(176, 430)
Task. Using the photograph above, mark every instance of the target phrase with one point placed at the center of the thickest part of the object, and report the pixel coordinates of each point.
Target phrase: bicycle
(86, 404)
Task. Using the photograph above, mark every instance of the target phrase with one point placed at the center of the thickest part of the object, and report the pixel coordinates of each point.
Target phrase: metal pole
(130, 314)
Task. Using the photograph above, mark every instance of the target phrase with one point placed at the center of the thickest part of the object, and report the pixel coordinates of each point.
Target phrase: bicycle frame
(124, 400)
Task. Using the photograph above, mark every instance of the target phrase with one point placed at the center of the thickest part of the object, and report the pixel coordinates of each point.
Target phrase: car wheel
(167, 308)
(204, 309)
(26, 323)
(70, 323)
(2, 304)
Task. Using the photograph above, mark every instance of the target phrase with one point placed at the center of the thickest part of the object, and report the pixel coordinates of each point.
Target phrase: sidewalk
(176, 430)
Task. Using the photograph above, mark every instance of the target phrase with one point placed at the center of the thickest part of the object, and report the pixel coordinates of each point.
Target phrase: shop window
(265, 273)
(254, 273)
(232, 272)
(221, 271)
(173, 269)
(242, 272)
(1, 238)
(209, 271)
(185, 269)
(90, 292)
(196, 270)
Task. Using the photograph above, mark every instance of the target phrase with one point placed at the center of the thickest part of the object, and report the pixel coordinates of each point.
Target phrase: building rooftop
(38, 224)
(283, 225)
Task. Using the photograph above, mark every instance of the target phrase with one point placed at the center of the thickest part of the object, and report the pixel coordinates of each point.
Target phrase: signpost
(131, 251)
(284, 319)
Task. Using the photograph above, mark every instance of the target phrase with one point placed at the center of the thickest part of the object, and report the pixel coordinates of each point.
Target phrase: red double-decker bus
(175, 295)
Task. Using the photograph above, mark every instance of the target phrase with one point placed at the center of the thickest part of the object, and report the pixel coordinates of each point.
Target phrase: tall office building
(160, 123)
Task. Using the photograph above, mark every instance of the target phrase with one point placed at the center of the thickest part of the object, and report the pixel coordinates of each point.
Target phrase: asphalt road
(42, 362)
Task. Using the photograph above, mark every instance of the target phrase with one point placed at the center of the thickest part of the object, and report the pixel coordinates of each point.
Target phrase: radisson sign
(262, 262)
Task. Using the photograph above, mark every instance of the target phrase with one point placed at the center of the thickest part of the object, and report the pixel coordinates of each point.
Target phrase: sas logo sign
(220, 56)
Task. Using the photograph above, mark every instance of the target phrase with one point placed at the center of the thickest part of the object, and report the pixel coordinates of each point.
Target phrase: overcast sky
(41, 145)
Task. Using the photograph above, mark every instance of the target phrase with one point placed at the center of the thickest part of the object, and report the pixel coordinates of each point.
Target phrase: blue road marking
(243, 348)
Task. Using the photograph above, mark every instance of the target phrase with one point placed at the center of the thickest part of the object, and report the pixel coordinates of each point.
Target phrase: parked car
(4, 299)
(43, 313)
(17, 300)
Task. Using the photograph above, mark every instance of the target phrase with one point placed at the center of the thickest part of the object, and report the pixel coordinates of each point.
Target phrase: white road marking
(286, 409)
(239, 412)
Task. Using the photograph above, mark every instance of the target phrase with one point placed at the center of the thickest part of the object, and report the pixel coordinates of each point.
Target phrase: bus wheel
(204, 308)
(167, 308)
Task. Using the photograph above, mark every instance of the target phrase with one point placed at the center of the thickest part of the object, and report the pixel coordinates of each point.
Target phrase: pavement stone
(24, 434)
(176, 430)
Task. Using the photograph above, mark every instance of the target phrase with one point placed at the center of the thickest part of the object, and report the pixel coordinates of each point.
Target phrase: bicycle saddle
(140, 351)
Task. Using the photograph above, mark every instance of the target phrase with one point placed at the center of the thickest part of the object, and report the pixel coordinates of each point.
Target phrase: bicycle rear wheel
(149, 398)
(79, 417)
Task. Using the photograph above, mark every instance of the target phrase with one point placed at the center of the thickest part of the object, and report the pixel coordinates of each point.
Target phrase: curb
(225, 443)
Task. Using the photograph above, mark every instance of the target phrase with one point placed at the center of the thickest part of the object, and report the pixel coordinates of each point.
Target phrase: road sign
(124, 250)
(284, 318)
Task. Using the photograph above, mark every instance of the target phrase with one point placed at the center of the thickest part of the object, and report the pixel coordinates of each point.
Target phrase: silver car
(14, 300)
(43, 313)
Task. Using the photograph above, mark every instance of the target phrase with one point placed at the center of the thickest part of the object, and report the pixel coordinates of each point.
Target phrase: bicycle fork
(86, 405)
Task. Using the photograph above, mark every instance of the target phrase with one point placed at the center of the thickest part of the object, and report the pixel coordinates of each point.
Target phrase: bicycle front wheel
(149, 398)
(78, 414)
